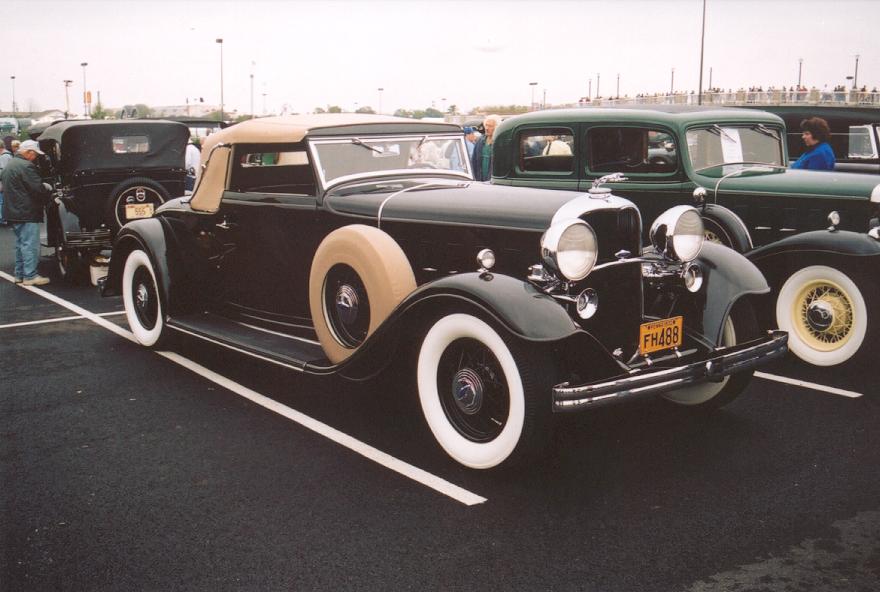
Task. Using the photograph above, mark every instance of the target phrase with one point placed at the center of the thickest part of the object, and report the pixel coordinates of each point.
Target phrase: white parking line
(418, 475)
(58, 320)
(810, 385)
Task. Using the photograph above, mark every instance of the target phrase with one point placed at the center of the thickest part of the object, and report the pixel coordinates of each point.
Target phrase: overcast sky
(307, 53)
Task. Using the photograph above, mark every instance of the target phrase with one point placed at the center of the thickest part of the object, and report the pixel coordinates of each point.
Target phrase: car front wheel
(740, 326)
(486, 402)
(825, 313)
(140, 294)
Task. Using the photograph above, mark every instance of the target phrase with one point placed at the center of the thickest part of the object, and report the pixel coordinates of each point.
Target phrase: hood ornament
(598, 192)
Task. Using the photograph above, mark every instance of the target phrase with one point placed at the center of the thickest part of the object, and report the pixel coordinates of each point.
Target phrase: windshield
(721, 145)
(338, 159)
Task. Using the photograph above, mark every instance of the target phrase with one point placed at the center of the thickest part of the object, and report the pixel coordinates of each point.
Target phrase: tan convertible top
(212, 180)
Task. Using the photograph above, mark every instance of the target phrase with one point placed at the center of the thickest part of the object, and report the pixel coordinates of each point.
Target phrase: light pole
(444, 106)
(380, 89)
(710, 79)
(800, 69)
(590, 89)
(264, 101)
(532, 104)
(252, 88)
(544, 101)
(702, 44)
(856, 77)
(220, 42)
(672, 83)
(597, 85)
(86, 110)
(67, 84)
(13, 95)
(617, 94)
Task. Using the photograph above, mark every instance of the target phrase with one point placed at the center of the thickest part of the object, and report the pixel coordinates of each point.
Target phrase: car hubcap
(347, 305)
(824, 315)
(712, 237)
(146, 306)
(473, 391)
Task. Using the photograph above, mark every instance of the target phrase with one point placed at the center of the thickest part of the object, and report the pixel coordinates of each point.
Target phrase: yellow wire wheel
(825, 314)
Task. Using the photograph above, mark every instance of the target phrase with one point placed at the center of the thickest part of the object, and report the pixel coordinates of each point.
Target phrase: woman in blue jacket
(819, 156)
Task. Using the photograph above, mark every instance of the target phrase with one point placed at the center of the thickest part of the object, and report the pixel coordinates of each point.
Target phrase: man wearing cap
(470, 140)
(25, 196)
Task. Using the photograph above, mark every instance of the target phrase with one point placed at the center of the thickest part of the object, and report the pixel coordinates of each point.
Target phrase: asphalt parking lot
(126, 469)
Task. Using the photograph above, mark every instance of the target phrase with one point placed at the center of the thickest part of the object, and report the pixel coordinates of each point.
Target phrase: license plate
(660, 335)
(134, 211)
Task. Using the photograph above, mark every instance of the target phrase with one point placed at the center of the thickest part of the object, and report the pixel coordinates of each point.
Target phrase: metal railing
(849, 98)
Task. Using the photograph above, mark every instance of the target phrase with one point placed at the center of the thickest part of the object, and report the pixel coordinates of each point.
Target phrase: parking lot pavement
(124, 469)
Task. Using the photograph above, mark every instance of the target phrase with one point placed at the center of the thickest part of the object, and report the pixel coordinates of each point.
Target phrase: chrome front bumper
(645, 382)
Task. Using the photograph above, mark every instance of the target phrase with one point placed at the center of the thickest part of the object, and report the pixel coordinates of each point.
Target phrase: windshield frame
(707, 126)
(355, 140)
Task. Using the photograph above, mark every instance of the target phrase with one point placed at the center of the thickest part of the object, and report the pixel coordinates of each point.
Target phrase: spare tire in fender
(359, 275)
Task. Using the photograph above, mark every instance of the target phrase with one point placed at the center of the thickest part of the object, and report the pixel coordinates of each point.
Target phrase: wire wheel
(824, 315)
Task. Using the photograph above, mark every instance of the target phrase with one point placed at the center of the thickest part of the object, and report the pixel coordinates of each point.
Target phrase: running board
(285, 350)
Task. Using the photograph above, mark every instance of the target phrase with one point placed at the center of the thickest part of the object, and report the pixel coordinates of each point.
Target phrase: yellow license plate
(134, 211)
(660, 335)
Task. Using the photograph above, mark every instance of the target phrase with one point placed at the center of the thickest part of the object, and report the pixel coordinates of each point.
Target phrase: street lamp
(532, 104)
(252, 88)
(86, 110)
(13, 95)
(702, 44)
(380, 89)
(597, 85)
(672, 83)
(617, 94)
(856, 77)
(220, 42)
(800, 68)
(67, 84)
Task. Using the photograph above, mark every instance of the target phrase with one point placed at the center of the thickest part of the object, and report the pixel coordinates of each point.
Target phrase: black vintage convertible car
(105, 174)
(343, 243)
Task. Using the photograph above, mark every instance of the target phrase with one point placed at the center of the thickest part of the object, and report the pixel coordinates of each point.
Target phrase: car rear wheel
(358, 276)
(68, 262)
(485, 400)
(741, 326)
(143, 305)
(137, 191)
(825, 313)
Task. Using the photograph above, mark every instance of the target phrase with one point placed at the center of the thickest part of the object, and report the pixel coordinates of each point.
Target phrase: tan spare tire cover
(382, 266)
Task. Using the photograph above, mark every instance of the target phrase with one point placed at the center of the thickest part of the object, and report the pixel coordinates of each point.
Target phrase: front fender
(819, 242)
(728, 277)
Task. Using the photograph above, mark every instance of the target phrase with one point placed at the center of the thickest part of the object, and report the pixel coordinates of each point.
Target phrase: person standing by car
(192, 163)
(470, 140)
(819, 155)
(482, 160)
(5, 157)
(25, 197)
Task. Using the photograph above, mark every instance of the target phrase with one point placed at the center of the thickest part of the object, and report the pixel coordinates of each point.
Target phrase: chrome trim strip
(232, 347)
(279, 334)
(762, 228)
(395, 194)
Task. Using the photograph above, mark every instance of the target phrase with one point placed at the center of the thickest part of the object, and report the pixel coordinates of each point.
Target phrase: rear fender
(148, 235)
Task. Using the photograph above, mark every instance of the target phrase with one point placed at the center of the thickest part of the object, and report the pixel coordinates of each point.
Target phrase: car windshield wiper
(719, 131)
(766, 131)
(359, 142)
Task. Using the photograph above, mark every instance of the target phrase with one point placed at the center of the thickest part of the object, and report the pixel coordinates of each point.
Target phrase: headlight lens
(570, 248)
(678, 233)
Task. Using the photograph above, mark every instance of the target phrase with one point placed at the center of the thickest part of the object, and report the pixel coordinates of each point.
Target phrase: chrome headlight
(570, 248)
(678, 233)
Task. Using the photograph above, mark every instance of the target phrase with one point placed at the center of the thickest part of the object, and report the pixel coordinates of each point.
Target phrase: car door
(649, 158)
(545, 156)
(266, 215)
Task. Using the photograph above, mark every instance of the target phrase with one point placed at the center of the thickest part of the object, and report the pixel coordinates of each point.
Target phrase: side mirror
(700, 195)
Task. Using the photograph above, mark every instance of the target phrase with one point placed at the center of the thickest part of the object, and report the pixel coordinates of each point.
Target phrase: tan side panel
(212, 181)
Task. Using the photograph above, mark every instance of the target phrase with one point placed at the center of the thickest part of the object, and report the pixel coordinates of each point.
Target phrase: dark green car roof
(674, 116)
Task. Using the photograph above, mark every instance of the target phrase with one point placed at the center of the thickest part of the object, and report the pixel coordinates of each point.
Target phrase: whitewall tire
(483, 404)
(140, 295)
(825, 314)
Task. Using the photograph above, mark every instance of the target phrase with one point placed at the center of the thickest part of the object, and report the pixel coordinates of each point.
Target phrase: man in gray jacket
(25, 196)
